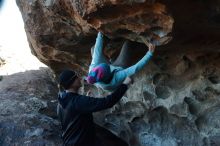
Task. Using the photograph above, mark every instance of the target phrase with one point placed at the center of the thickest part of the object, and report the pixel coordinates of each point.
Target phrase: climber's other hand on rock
(89, 93)
(128, 81)
(151, 47)
(100, 34)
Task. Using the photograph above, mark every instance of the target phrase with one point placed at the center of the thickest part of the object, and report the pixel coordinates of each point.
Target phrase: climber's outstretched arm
(138, 66)
(97, 56)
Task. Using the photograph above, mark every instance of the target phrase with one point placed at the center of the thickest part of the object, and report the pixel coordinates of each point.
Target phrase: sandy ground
(18, 61)
(14, 48)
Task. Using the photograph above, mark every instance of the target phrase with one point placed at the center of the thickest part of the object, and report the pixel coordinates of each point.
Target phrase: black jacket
(75, 113)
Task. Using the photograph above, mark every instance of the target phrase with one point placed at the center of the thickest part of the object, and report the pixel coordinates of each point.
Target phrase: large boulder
(28, 109)
(175, 99)
(62, 32)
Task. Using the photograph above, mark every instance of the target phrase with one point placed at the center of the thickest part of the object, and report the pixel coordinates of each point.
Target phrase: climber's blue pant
(122, 60)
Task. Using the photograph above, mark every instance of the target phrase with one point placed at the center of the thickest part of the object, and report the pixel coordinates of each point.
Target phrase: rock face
(174, 100)
(28, 109)
(127, 19)
(62, 32)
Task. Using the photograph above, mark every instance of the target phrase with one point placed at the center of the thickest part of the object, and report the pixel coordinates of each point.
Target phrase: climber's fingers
(145, 41)
(151, 47)
(89, 93)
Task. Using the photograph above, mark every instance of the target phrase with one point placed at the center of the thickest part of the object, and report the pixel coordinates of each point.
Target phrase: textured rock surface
(174, 101)
(62, 32)
(169, 105)
(28, 109)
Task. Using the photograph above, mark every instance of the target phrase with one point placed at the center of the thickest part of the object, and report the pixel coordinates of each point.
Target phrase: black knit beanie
(66, 78)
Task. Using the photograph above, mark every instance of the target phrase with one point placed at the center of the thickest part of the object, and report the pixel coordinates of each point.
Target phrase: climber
(75, 112)
(109, 76)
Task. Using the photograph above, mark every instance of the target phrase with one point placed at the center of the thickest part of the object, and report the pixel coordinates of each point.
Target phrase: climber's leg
(124, 58)
(99, 58)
